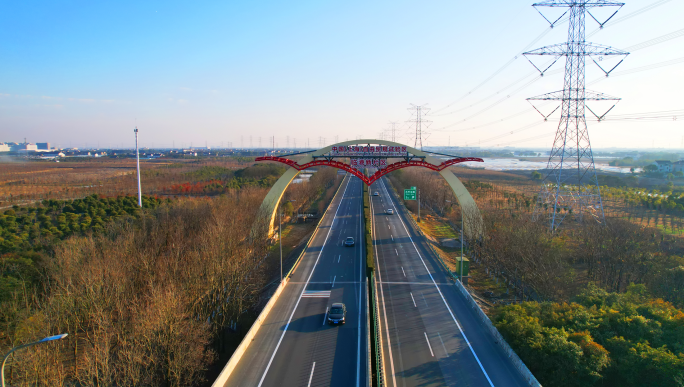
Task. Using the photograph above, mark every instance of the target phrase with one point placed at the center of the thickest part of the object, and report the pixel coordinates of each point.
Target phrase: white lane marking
(338, 259)
(384, 308)
(388, 226)
(325, 317)
(333, 285)
(395, 250)
(414, 300)
(472, 350)
(311, 376)
(402, 270)
(316, 294)
(270, 361)
(421, 294)
(429, 346)
(443, 346)
(392, 238)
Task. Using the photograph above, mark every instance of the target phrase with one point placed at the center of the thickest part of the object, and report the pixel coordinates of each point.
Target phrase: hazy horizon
(80, 73)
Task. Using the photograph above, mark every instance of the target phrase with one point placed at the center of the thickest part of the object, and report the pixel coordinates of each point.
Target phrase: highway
(430, 335)
(295, 346)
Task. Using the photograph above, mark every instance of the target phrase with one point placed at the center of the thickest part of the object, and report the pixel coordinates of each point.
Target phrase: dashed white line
(395, 250)
(443, 346)
(414, 300)
(402, 270)
(311, 376)
(392, 237)
(338, 258)
(333, 285)
(325, 317)
(426, 339)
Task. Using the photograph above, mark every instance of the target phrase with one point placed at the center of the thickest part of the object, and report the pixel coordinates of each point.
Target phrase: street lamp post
(45, 340)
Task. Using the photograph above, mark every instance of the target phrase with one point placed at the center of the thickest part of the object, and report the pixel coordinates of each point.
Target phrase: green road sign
(410, 194)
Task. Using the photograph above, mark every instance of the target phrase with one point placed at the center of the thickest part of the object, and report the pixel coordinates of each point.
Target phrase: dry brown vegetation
(23, 182)
(144, 300)
(524, 259)
(152, 299)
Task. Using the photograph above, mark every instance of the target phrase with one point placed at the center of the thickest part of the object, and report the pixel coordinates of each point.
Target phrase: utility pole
(571, 185)
(137, 164)
(419, 121)
(418, 197)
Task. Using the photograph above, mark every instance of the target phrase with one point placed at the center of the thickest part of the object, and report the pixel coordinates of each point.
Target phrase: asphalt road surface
(295, 346)
(430, 335)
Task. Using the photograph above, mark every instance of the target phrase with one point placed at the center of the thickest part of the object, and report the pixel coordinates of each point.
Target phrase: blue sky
(79, 73)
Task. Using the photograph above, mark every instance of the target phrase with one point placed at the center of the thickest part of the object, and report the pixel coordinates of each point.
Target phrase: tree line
(600, 339)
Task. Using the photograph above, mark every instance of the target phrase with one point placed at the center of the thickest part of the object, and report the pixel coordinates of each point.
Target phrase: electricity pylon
(570, 186)
(419, 121)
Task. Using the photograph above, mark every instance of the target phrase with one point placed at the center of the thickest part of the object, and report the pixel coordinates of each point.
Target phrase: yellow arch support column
(270, 204)
(471, 214)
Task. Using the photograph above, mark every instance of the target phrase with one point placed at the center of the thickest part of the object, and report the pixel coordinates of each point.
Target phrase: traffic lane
(438, 321)
(300, 344)
(394, 241)
(311, 339)
(323, 346)
(256, 358)
(279, 363)
(420, 317)
(408, 344)
(498, 366)
(408, 336)
(458, 365)
(250, 368)
(301, 273)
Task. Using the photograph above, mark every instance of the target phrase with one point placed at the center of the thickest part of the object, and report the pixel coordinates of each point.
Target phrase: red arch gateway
(368, 180)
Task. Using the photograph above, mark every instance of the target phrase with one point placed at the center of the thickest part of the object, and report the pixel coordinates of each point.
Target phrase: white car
(389, 211)
(376, 193)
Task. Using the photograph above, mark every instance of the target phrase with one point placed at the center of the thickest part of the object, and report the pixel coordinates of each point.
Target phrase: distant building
(664, 166)
(43, 145)
(678, 166)
(23, 147)
(4, 147)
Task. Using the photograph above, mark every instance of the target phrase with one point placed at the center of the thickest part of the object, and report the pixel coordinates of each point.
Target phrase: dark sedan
(337, 314)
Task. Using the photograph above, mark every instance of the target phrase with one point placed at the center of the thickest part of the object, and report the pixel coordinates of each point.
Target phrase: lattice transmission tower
(420, 122)
(570, 186)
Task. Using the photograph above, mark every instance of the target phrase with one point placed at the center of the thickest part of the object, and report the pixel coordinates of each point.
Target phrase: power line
(658, 40)
(639, 69)
(502, 68)
(515, 131)
(629, 16)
